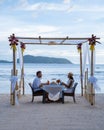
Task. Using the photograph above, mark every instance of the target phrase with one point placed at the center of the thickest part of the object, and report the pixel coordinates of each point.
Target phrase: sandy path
(52, 116)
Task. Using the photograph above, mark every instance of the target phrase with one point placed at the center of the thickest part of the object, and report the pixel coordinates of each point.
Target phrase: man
(37, 81)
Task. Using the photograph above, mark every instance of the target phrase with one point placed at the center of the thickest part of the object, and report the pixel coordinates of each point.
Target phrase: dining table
(54, 91)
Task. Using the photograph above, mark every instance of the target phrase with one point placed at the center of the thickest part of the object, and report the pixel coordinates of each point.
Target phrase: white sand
(52, 116)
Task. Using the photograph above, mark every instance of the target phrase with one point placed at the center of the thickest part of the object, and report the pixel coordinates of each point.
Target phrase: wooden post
(85, 85)
(12, 98)
(92, 74)
(81, 74)
(14, 62)
(22, 74)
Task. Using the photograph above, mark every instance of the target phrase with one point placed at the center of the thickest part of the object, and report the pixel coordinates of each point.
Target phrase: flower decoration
(79, 47)
(13, 41)
(92, 42)
(23, 47)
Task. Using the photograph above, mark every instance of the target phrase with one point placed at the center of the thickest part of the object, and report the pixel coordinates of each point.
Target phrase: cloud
(21, 27)
(67, 5)
(62, 6)
(46, 28)
(25, 29)
(80, 8)
(79, 20)
(22, 3)
(51, 20)
(67, 1)
(56, 51)
(1, 1)
(42, 6)
(35, 29)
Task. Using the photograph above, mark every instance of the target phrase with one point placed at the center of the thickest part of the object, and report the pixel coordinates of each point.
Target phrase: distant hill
(41, 59)
(5, 61)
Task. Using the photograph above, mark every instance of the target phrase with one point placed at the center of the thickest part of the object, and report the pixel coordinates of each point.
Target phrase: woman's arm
(62, 83)
(68, 85)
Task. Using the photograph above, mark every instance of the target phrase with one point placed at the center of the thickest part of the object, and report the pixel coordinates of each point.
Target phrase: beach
(55, 37)
(51, 116)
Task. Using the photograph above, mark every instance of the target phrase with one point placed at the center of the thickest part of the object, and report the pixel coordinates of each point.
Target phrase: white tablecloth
(53, 91)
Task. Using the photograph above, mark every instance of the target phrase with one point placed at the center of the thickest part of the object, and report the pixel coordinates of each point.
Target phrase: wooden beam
(64, 40)
(59, 38)
(50, 45)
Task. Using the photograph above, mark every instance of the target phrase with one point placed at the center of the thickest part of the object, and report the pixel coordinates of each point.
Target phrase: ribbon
(23, 47)
(93, 80)
(79, 47)
(79, 50)
(22, 50)
(20, 57)
(13, 82)
(92, 47)
(14, 47)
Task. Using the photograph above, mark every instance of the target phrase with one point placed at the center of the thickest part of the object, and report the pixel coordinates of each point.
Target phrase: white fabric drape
(13, 82)
(86, 54)
(93, 80)
(20, 56)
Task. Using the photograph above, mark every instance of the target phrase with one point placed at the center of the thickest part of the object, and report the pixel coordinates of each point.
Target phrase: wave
(49, 72)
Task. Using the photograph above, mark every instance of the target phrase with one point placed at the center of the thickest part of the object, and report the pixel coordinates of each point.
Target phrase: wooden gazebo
(78, 42)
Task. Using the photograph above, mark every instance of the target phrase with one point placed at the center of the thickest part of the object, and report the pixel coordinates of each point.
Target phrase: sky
(51, 18)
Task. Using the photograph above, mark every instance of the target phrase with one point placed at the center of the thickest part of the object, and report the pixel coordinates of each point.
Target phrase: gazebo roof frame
(54, 41)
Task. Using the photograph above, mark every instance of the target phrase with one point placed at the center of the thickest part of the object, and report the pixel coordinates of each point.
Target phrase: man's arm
(41, 85)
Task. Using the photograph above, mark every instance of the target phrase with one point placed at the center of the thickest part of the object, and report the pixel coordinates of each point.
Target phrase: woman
(70, 81)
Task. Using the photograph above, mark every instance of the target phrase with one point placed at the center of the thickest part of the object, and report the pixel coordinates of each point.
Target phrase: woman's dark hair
(71, 77)
(38, 72)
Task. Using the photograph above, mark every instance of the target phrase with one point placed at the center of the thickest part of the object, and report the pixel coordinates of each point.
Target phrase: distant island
(41, 59)
(5, 61)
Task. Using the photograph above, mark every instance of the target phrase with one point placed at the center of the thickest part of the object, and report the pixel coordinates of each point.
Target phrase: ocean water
(50, 72)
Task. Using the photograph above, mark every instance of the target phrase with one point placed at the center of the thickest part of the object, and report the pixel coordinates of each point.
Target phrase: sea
(50, 72)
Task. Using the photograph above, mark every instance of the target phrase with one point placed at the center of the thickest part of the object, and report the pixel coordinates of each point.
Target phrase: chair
(37, 93)
(69, 92)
